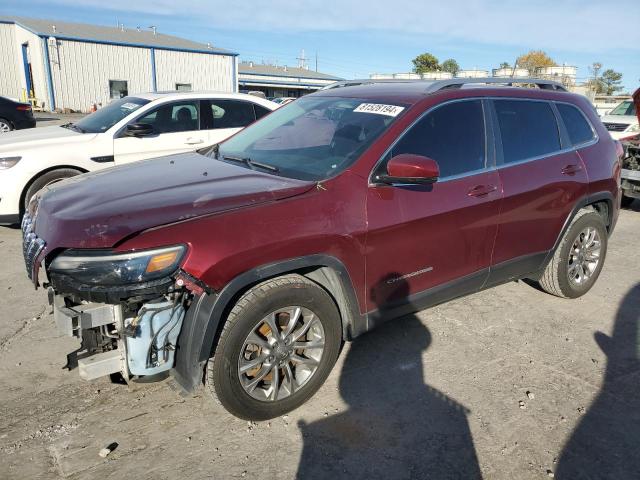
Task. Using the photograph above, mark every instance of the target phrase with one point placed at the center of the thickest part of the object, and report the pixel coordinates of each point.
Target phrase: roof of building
(249, 68)
(130, 36)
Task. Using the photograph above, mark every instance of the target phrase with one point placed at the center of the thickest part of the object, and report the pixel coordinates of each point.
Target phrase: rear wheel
(5, 125)
(279, 343)
(46, 179)
(579, 258)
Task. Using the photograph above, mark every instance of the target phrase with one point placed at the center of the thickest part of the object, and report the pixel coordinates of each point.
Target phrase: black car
(15, 115)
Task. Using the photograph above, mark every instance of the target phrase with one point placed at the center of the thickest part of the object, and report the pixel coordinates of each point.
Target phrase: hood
(40, 137)
(625, 119)
(99, 209)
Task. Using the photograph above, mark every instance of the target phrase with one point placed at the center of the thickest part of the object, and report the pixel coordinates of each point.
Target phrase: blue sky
(354, 38)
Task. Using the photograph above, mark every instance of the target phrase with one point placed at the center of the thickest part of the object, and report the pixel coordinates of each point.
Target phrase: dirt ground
(509, 383)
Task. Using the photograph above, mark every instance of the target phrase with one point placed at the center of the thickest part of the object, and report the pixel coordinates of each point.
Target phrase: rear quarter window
(528, 129)
(578, 128)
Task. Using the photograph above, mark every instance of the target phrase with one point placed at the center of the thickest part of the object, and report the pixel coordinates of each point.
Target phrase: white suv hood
(626, 119)
(20, 140)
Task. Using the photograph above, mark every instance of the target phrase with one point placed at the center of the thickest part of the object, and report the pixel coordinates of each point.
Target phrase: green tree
(425, 62)
(611, 81)
(450, 65)
(535, 59)
(505, 65)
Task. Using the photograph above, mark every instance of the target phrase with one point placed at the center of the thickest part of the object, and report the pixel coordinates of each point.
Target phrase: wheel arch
(25, 189)
(205, 318)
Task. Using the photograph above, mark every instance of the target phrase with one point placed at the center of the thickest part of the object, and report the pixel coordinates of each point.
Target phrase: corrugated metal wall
(202, 71)
(10, 78)
(81, 72)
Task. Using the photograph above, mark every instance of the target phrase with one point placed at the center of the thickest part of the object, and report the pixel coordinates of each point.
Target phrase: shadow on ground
(395, 426)
(606, 442)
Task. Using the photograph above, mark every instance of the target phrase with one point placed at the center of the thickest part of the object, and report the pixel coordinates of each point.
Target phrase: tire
(48, 178)
(5, 125)
(625, 201)
(559, 277)
(224, 379)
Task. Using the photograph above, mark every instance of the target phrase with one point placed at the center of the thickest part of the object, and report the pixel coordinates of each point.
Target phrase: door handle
(194, 141)
(571, 169)
(481, 190)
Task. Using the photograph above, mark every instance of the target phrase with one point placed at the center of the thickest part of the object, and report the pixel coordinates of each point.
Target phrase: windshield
(312, 138)
(625, 108)
(105, 118)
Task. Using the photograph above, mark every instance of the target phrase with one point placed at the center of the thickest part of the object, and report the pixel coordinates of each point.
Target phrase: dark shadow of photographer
(396, 426)
(606, 442)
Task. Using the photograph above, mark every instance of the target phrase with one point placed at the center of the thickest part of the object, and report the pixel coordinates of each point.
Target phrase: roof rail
(436, 85)
(507, 81)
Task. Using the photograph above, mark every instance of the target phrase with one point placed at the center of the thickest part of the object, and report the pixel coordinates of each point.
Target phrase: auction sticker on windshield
(380, 109)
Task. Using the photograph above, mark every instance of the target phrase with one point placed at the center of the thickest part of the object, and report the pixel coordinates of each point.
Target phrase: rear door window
(453, 135)
(528, 129)
(232, 113)
(577, 126)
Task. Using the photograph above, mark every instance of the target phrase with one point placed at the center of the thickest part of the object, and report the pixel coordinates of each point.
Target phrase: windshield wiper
(251, 163)
(73, 126)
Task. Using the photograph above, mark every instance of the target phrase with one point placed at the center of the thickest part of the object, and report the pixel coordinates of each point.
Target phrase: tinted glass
(528, 129)
(452, 135)
(312, 138)
(260, 111)
(105, 118)
(231, 113)
(577, 127)
(625, 108)
(173, 117)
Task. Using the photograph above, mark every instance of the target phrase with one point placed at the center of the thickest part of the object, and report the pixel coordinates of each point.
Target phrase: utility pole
(596, 69)
(316, 61)
(302, 60)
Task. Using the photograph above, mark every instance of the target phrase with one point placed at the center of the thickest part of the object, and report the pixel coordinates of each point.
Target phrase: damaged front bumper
(117, 339)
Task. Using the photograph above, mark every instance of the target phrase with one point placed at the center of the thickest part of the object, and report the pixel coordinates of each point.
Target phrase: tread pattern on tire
(549, 281)
(252, 295)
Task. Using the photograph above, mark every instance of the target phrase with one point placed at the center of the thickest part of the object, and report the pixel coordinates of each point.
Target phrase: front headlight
(8, 162)
(634, 127)
(100, 267)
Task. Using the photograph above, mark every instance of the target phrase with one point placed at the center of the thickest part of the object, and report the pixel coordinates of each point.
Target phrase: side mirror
(138, 130)
(411, 169)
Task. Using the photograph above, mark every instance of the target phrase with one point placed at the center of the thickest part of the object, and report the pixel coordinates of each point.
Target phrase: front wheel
(277, 347)
(47, 179)
(579, 258)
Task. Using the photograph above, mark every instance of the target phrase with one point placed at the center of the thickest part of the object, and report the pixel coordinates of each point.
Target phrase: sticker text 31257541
(380, 109)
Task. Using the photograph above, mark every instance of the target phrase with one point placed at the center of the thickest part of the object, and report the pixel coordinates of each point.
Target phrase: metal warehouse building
(281, 81)
(61, 65)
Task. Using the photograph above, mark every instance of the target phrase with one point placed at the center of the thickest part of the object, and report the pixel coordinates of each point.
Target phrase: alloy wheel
(584, 256)
(4, 127)
(281, 353)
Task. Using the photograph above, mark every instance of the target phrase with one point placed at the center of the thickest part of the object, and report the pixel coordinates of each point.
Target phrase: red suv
(248, 264)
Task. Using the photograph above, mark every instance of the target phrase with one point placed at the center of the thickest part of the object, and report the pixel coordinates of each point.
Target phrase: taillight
(23, 107)
(619, 149)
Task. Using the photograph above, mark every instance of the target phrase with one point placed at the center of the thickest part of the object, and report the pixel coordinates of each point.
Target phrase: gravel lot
(509, 383)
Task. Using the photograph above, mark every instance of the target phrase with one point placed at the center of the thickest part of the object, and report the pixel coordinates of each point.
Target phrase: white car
(622, 121)
(132, 128)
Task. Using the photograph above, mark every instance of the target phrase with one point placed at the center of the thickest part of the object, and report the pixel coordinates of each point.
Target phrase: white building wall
(81, 71)
(10, 78)
(290, 81)
(203, 71)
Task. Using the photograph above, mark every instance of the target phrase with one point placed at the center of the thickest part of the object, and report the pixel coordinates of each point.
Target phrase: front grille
(615, 127)
(31, 244)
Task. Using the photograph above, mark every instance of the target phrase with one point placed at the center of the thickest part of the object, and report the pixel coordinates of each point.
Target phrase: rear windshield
(105, 118)
(313, 138)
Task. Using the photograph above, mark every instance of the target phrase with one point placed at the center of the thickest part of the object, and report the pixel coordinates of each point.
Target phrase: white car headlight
(8, 162)
(634, 127)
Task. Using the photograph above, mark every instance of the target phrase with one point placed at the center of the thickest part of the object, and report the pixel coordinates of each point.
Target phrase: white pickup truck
(631, 160)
